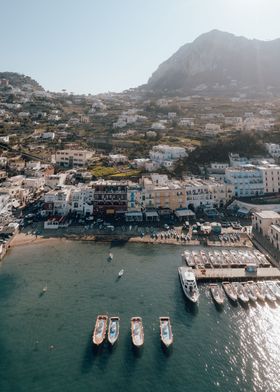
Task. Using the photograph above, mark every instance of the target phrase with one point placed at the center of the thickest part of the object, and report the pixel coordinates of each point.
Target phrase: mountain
(221, 63)
(22, 82)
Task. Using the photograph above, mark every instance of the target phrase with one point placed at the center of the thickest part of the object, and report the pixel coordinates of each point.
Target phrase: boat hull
(166, 341)
(100, 329)
(113, 334)
(228, 288)
(137, 332)
(193, 299)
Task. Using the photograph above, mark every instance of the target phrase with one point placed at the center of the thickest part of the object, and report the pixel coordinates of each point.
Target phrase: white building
(72, 158)
(247, 180)
(235, 160)
(81, 200)
(48, 135)
(273, 149)
(57, 202)
(118, 158)
(212, 129)
(188, 122)
(262, 220)
(207, 193)
(163, 153)
(270, 177)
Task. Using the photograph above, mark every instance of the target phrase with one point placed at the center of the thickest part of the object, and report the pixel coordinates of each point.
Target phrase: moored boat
(241, 294)
(121, 272)
(188, 283)
(251, 295)
(257, 292)
(230, 291)
(137, 331)
(100, 329)
(274, 288)
(269, 296)
(166, 335)
(113, 329)
(217, 293)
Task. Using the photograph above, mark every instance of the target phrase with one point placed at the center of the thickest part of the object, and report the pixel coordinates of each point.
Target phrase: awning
(134, 213)
(184, 212)
(151, 214)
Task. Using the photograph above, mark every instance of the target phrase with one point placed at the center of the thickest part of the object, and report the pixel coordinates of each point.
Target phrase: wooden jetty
(232, 274)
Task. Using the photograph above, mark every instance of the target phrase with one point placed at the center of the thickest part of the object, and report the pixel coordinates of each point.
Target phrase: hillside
(20, 81)
(220, 63)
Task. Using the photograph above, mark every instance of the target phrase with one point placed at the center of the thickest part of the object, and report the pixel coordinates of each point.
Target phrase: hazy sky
(92, 46)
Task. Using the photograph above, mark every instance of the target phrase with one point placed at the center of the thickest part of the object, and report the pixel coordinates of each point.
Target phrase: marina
(56, 329)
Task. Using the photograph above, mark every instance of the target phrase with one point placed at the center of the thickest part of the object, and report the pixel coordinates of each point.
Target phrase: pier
(235, 274)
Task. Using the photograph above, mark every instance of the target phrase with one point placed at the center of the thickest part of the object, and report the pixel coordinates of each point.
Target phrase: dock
(235, 274)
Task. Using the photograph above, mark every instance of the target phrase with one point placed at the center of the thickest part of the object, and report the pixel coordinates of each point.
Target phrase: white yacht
(188, 283)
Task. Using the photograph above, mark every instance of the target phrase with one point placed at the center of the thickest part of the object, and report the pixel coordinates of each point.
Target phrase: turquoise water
(45, 340)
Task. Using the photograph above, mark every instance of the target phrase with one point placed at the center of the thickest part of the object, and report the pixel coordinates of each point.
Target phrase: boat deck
(231, 274)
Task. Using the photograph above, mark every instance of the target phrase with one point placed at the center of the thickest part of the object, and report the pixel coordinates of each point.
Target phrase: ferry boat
(137, 331)
(100, 329)
(241, 294)
(257, 292)
(267, 292)
(188, 283)
(166, 335)
(251, 295)
(217, 293)
(274, 288)
(113, 329)
(230, 291)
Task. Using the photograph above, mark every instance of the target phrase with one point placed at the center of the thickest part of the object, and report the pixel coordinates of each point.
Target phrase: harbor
(55, 329)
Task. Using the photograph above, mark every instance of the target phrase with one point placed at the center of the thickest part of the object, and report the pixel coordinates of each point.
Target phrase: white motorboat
(121, 272)
(166, 335)
(230, 291)
(113, 330)
(217, 294)
(267, 292)
(110, 256)
(137, 331)
(188, 258)
(241, 294)
(274, 288)
(251, 295)
(257, 292)
(188, 282)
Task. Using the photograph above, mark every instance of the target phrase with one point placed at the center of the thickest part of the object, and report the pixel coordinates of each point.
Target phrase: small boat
(274, 288)
(113, 329)
(166, 335)
(100, 329)
(188, 283)
(217, 293)
(241, 294)
(121, 273)
(267, 292)
(230, 291)
(257, 292)
(45, 289)
(137, 331)
(110, 256)
(251, 295)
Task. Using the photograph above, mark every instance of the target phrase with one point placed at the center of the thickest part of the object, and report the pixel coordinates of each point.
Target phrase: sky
(94, 46)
